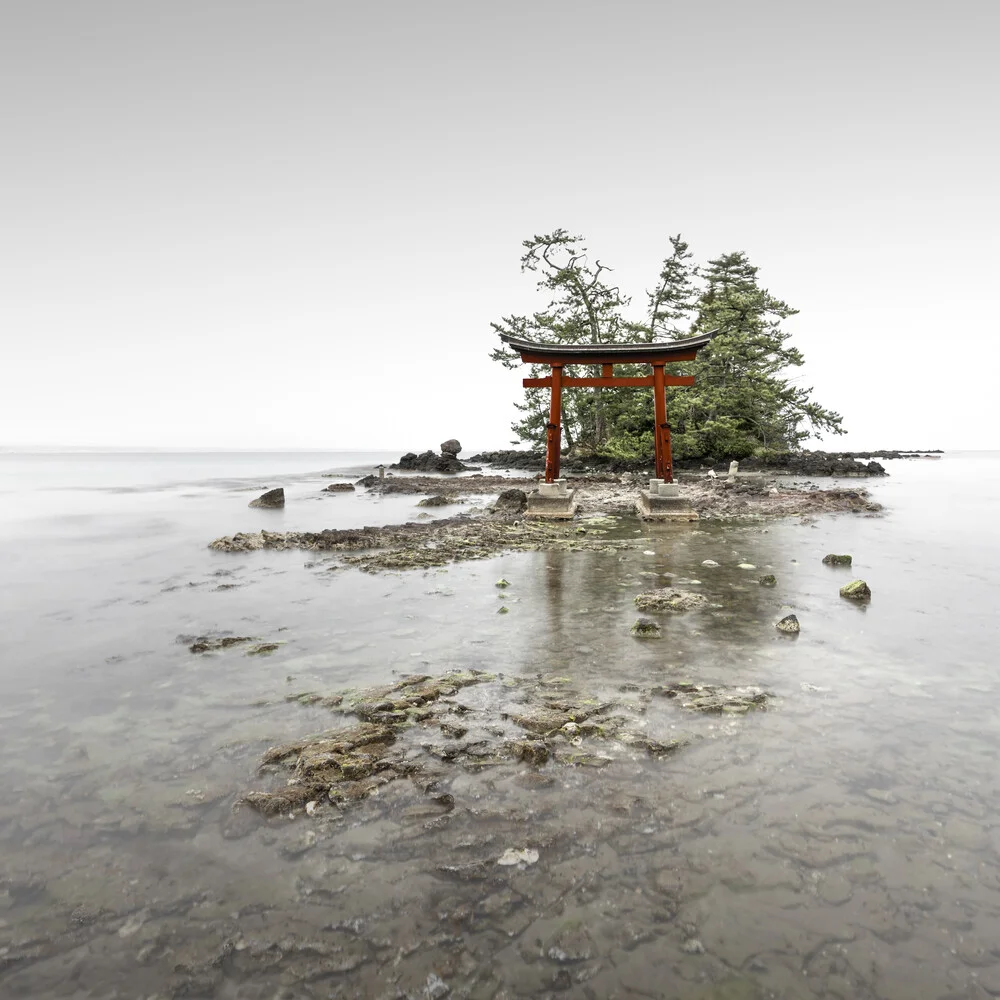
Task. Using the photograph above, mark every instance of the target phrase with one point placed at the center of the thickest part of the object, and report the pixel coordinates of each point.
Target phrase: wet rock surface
(339, 488)
(272, 498)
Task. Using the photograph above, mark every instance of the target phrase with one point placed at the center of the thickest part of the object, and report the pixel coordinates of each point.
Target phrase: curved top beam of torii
(558, 356)
(597, 354)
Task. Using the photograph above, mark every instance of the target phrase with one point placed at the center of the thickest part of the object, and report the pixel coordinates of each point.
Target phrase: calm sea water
(842, 844)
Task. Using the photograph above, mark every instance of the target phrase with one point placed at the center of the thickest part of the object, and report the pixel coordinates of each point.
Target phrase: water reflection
(839, 845)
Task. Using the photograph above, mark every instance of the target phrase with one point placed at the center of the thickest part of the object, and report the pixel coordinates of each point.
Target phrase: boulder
(768, 581)
(789, 625)
(272, 498)
(450, 447)
(438, 501)
(834, 560)
(856, 590)
(339, 488)
(511, 502)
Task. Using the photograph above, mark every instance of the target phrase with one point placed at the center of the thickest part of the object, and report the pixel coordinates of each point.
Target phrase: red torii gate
(557, 356)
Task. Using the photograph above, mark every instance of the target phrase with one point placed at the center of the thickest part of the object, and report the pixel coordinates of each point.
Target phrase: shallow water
(841, 844)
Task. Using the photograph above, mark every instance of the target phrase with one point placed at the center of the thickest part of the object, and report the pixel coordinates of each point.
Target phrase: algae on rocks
(856, 590)
(834, 560)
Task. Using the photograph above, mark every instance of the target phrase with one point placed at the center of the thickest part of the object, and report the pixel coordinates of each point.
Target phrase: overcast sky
(271, 223)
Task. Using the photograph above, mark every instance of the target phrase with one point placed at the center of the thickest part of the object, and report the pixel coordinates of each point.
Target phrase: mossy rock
(834, 560)
(789, 625)
(856, 590)
(768, 581)
(646, 628)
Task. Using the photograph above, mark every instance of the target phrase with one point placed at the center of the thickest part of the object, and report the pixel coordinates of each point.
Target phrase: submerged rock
(272, 498)
(646, 628)
(768, 581)
(789, 625)
(668, 599)
(834, 560)
(713, 699)
(211, 643)
(416, 728)
(856, 590)
(436, 501)
(339, 488)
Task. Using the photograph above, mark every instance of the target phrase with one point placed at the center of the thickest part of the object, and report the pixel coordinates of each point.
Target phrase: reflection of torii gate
(607, 356)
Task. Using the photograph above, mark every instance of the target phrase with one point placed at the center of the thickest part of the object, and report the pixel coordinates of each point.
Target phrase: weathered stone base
(561, 507)
(652, 507)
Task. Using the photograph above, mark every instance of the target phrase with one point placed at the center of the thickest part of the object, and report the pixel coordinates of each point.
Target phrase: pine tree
(742, 403)
(583, 308)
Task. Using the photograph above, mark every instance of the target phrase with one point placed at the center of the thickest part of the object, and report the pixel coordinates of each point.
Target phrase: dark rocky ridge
(805, 463)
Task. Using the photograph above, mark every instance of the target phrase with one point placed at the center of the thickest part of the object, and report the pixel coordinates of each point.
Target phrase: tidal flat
(570, 824)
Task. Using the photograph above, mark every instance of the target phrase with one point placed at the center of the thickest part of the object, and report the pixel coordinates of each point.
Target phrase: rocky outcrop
(272, 498)
(451, 447)
(428, 461)
(339, 488)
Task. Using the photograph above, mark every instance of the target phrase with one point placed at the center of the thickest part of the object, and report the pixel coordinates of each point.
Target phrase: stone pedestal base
(656, 507)
(551, 504)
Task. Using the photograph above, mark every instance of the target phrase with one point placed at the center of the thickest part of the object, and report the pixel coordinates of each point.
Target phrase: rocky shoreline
(604, 502)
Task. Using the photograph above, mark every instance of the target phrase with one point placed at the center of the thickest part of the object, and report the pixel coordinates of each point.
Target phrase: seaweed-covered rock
(646, 628)
(834, 560)
(668, 599)
(789, 625)
(212, 643)
(856, 590)
(436, 501)
(272, 499)
(769, 580)
(511, 502)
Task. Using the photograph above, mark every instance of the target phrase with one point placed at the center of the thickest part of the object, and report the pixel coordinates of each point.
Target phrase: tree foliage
(744, 401)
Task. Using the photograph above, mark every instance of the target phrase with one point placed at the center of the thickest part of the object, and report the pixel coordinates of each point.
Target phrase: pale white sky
(268, 223)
